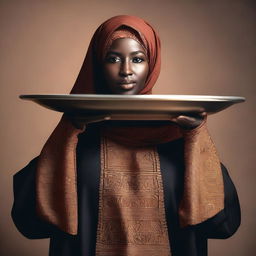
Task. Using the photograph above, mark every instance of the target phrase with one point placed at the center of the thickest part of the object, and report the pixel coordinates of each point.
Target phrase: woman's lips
(127, 86)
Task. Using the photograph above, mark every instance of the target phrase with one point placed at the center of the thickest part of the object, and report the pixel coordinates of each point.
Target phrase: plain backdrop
(208, 47)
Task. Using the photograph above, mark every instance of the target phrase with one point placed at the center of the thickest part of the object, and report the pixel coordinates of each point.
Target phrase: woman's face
(125, 67)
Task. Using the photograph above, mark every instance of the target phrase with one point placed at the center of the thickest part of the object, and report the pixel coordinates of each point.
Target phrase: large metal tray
(134, 107)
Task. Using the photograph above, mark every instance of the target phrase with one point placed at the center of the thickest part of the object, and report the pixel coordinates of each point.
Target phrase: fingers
(204, 114)
(91, 119)
(189, 122)
(80, 121)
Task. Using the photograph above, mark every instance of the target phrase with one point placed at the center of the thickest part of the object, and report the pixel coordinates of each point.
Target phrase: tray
(133, 107)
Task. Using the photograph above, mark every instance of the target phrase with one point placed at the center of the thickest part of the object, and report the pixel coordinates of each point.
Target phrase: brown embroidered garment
(131, 207)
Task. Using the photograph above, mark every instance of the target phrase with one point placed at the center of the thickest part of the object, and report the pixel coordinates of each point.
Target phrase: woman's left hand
(189, 122)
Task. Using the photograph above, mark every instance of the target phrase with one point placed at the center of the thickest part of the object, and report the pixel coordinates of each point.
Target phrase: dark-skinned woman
(127, 188)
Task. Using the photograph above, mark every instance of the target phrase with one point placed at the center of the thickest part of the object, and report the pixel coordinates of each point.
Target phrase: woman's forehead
(126, 46)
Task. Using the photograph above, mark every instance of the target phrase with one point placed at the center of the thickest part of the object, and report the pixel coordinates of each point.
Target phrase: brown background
(208, 47)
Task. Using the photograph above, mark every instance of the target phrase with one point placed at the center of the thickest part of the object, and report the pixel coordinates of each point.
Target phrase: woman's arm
(24, 206)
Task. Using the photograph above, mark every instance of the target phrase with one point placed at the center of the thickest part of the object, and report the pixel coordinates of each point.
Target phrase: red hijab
(88, 82)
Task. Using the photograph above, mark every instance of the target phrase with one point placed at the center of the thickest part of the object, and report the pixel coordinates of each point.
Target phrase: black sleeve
(226, 222)
(24, 207)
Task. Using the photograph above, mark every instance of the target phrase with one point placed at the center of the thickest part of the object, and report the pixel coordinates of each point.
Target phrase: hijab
(87, 81)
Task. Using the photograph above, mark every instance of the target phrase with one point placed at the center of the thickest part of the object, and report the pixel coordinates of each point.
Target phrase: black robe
(189, 241)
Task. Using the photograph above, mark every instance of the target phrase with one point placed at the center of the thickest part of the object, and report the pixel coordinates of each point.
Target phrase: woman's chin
(124, 92)
(131, 90)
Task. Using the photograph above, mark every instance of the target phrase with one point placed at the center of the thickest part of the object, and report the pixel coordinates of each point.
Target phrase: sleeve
(225, 223)
(24, 207)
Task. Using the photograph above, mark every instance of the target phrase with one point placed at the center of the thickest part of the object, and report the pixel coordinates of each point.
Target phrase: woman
(126, 188)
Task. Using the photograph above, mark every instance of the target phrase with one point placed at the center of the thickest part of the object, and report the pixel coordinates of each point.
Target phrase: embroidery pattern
(131, 206)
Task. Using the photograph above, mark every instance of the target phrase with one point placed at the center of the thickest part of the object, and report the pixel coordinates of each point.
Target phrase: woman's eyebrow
(120, 54)
(136, 52)
(114, 53)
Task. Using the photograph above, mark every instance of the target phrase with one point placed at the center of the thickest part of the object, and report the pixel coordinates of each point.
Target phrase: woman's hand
(189, 122)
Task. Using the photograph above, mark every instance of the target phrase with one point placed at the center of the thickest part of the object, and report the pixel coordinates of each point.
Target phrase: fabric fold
(203, 183)
(56, 190)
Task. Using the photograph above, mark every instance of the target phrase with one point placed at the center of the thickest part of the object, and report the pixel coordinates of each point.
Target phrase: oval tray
(133, 107)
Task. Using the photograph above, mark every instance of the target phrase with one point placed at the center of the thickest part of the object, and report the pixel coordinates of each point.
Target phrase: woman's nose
(125, 68)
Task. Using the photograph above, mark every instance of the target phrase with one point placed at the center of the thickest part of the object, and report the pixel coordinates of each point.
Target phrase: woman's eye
(113, 59)
(137, 60)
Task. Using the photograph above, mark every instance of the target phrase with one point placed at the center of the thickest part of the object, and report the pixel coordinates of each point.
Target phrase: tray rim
(151, 97)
